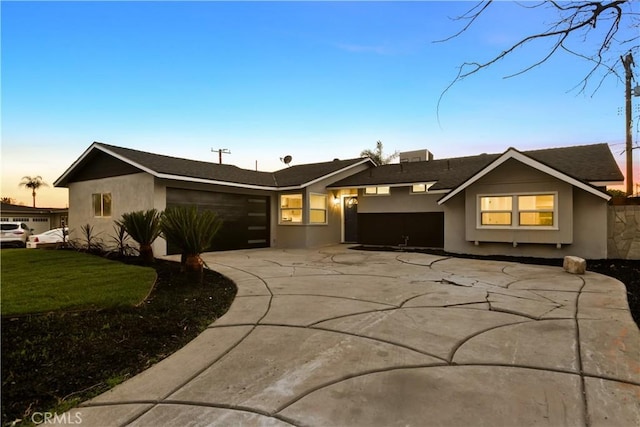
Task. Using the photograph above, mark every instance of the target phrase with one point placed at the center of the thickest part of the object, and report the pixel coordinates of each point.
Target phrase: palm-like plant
(144, 228)
(378, 156)
(191, 231)
(34, 183)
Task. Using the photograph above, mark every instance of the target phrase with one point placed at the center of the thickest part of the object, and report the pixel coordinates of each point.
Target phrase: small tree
(34, 183)
(378, 156)
(144, 228)
(191, 231)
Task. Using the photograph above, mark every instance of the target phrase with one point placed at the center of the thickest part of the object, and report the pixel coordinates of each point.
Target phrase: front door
(350, 209)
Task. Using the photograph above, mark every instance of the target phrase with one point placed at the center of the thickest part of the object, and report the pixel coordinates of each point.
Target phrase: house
(545, 203)
(37, 219)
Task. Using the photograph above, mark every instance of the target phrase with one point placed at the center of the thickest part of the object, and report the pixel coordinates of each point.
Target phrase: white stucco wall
(129, 193)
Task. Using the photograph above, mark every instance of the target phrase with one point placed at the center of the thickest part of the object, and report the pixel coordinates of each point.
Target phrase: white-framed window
(291, 208)
(531, 210)
(101, 204)
(421, 188)
(317, 208)
(383, 190)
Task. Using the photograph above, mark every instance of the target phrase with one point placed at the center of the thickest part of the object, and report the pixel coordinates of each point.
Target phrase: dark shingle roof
(293, 176)
(588, 163)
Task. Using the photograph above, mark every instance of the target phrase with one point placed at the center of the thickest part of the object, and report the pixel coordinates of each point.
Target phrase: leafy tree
(599, 32)
(144, 228)
(378, 156)
(191, 231)
(34, 183)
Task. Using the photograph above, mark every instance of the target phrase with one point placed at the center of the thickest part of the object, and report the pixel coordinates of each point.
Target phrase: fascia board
(514, 154)
(75, 164)
(323, 177)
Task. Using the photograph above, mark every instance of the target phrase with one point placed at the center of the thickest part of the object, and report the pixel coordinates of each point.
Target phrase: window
(101, 204)
(536, 210)
(382, 190)
(421, 188)
(317, 208)
(531, 210)
(495, 210)
(291, 208)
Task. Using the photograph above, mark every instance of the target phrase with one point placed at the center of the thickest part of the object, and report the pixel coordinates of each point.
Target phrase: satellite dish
(286, 159)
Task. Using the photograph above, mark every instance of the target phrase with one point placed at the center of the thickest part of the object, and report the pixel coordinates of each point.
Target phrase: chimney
(416, 156)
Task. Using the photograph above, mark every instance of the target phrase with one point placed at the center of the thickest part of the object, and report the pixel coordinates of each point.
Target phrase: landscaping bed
(55, 361)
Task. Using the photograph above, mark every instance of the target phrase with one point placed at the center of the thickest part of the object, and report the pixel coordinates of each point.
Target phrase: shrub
(144, 228)
(191, 231)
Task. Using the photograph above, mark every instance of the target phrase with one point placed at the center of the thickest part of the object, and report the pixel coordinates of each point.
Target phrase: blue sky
(313, 80)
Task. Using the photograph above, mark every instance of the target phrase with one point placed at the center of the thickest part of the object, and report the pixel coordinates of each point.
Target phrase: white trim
(512, 153)
(606, 183)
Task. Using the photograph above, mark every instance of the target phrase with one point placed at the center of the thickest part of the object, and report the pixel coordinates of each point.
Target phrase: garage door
(245, 217)
(422, 229)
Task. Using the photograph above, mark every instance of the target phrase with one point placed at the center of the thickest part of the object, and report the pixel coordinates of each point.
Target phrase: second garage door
(420, 229)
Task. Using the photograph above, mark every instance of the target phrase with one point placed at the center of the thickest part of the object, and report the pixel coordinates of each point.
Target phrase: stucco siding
(581, 223)
(314, 235)
(400, 199)
(129, 193)
(515, 178)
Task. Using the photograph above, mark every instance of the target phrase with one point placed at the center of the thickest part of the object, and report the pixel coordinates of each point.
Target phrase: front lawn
(36, 281)
(55, 360)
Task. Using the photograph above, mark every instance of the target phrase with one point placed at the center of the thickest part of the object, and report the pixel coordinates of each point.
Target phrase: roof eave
(512, 153)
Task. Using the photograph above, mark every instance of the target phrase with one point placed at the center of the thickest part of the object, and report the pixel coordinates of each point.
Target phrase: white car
(54, 235)
(14, 234)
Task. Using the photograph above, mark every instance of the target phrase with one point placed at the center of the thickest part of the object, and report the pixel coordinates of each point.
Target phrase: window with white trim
(517, 210)
(317, 208)
(291, 208)
(101, 204)
(421, 188)
(379, 190)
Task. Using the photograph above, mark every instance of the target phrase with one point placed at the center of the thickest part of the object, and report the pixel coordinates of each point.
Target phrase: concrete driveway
(337, 337)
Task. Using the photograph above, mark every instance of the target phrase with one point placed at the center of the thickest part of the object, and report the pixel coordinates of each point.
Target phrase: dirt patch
(57, 360)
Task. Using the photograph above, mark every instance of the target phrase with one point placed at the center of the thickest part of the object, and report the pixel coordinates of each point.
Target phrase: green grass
(36, 281)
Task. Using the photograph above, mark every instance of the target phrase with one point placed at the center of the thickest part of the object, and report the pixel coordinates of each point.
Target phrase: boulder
(574, 265)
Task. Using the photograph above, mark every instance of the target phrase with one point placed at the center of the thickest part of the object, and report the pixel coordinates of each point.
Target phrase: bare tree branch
(575, 19)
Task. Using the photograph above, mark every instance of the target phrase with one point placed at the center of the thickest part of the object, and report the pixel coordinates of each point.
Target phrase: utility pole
(627, 61)
(220, 152)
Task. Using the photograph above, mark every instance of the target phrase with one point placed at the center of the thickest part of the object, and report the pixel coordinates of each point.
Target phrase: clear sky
(316, 81)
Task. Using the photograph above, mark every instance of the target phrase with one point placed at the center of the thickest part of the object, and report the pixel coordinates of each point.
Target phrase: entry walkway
(338, 337)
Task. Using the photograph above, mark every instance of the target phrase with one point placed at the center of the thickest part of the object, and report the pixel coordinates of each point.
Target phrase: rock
(574, 265)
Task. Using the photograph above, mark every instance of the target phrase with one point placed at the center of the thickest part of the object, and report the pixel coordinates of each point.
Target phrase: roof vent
(416, 156)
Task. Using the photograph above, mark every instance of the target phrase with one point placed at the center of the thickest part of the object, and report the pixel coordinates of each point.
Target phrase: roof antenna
(220, 152)
(286, 159)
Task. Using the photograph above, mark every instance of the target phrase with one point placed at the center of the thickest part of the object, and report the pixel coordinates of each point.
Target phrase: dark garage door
(423, 229)
(246, 217)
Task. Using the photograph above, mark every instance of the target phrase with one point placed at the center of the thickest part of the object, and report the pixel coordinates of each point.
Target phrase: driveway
(338, 337)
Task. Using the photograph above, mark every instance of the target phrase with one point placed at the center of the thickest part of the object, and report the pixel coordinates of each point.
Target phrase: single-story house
(544, 203)
(37, 219)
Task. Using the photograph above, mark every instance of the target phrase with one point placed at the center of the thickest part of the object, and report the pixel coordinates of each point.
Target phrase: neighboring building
(545, 203)
(38, 219)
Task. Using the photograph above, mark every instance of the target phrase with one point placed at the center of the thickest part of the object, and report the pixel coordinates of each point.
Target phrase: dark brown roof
(587, 163)
(168, 166)
(29, 210)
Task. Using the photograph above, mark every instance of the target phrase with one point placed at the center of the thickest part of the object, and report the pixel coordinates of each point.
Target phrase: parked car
(54, 235)
(14, 234)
